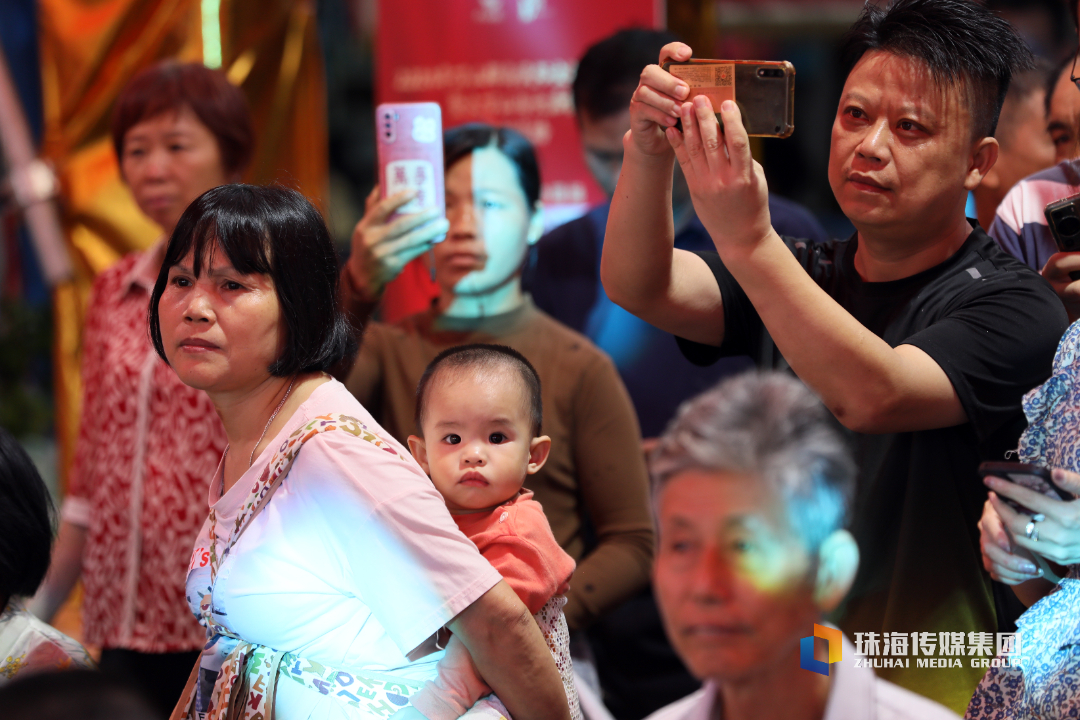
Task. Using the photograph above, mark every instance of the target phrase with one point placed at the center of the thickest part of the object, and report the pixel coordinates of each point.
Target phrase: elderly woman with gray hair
(751, 485)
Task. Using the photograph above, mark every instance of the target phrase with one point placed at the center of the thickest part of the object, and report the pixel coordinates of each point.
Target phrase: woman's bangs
(243, 240)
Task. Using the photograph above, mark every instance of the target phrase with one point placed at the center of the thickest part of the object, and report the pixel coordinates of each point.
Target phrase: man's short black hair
(26, 519)
(460, 141)
(609, 71)
(960, 42)
(277, 232)
(485, 358)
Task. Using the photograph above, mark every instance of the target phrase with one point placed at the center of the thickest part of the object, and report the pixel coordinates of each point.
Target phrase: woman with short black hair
(328, 562)
(146, 441)
(26, 643)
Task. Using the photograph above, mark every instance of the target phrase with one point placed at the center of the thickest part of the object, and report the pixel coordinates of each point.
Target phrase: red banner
(505, 62)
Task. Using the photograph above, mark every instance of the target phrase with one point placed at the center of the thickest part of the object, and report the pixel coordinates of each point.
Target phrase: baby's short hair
(479, 356)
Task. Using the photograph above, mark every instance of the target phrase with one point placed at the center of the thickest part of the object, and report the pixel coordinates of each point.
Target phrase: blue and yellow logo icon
(807, 661)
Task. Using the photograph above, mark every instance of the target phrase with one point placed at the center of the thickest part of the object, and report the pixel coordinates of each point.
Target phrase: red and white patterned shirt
(148, 446)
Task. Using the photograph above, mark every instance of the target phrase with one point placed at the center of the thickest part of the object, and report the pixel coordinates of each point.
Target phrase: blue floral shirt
(1047, 684)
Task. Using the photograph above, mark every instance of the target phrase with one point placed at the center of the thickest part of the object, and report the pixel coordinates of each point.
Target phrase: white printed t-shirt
(353, 562)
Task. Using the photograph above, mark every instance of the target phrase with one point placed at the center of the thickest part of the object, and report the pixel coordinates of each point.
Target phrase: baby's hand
(408, 713)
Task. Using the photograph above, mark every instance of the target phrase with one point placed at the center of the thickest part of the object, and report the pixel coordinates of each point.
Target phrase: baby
(479, 410)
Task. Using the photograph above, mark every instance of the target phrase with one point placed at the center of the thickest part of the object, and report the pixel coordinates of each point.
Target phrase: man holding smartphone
(918, 333)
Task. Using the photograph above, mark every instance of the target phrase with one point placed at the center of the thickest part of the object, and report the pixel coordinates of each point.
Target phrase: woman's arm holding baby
(509, 651)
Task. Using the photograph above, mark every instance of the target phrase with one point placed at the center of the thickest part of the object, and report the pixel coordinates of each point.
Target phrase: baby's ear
(539, 449)
(419, 452)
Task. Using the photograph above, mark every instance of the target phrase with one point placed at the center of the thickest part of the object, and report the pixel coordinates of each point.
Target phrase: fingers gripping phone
(1032, 477)
(1063, 219)
(763, 91)
(410, 152)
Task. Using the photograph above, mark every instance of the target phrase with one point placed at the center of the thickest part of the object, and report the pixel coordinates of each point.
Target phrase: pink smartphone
(410, 147)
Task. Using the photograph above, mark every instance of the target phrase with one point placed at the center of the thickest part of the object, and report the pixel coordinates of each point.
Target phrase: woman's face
(222, 330)
(491, 225)
(169, 160)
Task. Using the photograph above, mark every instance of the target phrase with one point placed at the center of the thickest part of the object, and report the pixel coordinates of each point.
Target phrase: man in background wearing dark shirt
(637, 667)
(918, 333)
(564, 278)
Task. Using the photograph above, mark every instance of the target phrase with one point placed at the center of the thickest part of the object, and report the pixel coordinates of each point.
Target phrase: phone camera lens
(1069, 226)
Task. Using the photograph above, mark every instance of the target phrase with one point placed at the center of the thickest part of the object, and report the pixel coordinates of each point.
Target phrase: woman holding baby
(328, 562)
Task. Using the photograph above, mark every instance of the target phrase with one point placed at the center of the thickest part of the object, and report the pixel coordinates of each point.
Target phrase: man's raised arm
(867, 384)
(640, 268)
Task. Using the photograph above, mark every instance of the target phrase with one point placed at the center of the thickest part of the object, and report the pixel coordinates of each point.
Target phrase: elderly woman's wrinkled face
(490, 221)
(733, 580)
(169, 160)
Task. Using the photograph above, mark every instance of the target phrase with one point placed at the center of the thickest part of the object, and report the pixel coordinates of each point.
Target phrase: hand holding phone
(406, 212)
(1037, 505)
(1063, 220)
(1033, 477)
(763, 91)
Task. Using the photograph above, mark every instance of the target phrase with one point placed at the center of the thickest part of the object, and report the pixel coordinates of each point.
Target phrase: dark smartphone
(1033, 477)
(1063, 218)
(764, 91)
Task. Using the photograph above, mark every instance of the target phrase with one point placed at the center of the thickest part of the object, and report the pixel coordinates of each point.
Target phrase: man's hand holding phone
(656, 104)
(1057, 271)
(727, 185)
(381, 248)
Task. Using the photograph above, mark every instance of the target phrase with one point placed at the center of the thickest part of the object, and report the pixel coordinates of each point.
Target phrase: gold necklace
(251, 458)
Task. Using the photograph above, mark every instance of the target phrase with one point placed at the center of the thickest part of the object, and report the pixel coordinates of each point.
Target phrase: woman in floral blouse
(147, 443)
(1040, 675)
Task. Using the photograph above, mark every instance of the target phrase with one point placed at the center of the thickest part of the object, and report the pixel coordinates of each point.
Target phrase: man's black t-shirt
(992, 324)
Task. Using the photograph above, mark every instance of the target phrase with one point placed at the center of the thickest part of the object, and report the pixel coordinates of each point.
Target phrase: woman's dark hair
(169, 86)
(462, 140)
(960, 42)
(26, 519)
(277, 232)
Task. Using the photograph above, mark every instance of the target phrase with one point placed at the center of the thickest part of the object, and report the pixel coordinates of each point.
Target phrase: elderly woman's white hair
(767, 426)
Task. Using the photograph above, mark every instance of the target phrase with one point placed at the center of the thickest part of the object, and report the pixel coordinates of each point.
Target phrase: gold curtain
(89, 51)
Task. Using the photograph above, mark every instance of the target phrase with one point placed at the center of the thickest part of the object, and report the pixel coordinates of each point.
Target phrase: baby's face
(477, 438)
